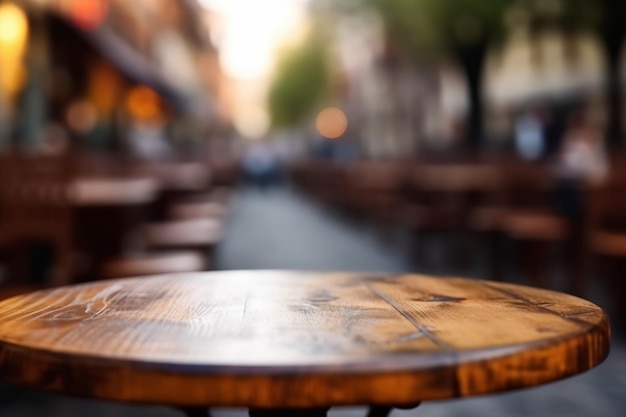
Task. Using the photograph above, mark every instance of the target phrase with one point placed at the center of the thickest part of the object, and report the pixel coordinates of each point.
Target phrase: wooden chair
(606, 239)
(35, 206)
(199, 234)
(177, 180)
(198, 210)
(220, 195)
(439, 199)
(154, 263)
(532, 221)
(375, 189)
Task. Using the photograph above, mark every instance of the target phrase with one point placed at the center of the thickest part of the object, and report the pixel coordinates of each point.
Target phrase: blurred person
(582, 160)
(322, 148)
(582, 157)
(260, 164)
(529, 136)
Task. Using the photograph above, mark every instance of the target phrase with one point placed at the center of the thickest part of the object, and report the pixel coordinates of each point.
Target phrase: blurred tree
(303, 80)
(462, 29)
(606, 19)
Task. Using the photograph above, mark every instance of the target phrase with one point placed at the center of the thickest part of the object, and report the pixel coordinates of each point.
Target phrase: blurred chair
(531, 220)
(606, 238)
(36, 207)
(198, 210)
(485, 211)
(220, 195)
(197, 235)
(177, 181)
(375, 189)
(440, 198)
(153, 264)
(327, 182)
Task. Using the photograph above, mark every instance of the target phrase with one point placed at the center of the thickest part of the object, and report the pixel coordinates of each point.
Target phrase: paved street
(278, 229)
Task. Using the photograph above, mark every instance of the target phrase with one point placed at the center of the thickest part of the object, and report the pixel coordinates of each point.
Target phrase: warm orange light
(143, 103)
(332, 123)
(13, 76)
(13, 25)
(13, 39)
(105, 88)
(89, 14)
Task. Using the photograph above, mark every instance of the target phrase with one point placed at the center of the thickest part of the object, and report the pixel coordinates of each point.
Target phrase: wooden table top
(289, 340)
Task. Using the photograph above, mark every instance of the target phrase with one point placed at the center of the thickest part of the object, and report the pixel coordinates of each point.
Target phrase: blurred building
(94, 70)
(383, 98)
(397, 108)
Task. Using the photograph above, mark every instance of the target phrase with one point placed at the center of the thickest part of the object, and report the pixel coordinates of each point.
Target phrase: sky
(249, 34)
(252, 32)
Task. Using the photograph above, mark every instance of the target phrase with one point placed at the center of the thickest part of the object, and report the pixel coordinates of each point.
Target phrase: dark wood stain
(439, 299)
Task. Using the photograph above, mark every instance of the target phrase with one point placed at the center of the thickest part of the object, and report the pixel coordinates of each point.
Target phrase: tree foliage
(440, 27)
(462, 30)
(303, 80)
(606, 20)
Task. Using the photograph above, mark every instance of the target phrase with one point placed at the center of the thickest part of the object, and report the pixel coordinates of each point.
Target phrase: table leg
(374, 411)
(196, 412)
(379, 411)
(321, 412)
(385, 411)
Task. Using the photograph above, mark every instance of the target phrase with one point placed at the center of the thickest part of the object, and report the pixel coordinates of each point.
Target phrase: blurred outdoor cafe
(489, 133)
(105, 168)
(495, 128)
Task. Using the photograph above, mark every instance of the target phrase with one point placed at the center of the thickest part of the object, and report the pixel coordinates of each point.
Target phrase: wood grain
(293, 340)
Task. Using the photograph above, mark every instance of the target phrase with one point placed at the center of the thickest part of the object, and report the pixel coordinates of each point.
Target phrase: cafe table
(176, 181)
(285, 342)
(87, 192)
(108, 213)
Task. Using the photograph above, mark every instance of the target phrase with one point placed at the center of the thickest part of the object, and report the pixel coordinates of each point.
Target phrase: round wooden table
(276, 342)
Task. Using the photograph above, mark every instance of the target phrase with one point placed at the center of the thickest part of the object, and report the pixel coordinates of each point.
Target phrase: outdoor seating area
(312, 208)
(81, 224)
(491, 212)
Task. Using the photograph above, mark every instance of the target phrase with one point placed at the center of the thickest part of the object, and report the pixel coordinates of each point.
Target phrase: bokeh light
(253, 31)
(105, 88)
(143, 103)
(332, 123)
(13, 40)
(89, 14)
(13, 25)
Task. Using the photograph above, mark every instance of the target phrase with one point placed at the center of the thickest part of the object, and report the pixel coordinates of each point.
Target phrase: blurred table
(113, 191)
(109, 213)
(176, 180)
(280, 341)
(175, 176)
